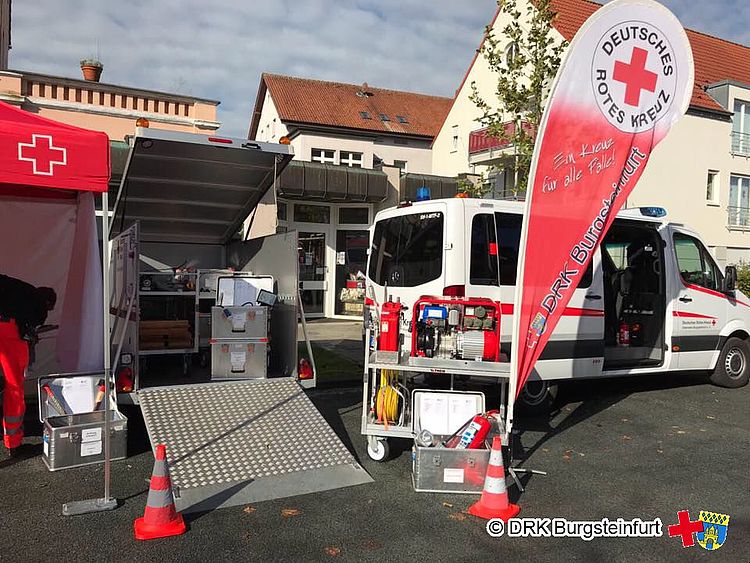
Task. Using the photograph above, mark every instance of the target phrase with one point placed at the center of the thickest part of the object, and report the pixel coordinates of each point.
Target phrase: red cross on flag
(625, 81)
(40, 152)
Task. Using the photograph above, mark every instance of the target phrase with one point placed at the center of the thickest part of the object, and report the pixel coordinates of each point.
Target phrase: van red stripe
(715, 293)
(507, 309)
(691, 315)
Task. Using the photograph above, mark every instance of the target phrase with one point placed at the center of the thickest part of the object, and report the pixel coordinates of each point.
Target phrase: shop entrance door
(312, 272)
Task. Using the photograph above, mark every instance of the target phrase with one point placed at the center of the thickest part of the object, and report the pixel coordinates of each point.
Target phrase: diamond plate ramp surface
(231, 443)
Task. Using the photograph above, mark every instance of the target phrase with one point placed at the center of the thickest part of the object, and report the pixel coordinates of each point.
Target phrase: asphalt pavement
(631, 448)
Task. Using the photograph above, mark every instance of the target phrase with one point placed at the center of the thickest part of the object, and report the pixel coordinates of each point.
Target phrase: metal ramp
(237, 442)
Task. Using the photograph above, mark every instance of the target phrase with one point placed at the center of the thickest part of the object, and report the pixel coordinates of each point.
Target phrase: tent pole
(107, 502)
(107, 351)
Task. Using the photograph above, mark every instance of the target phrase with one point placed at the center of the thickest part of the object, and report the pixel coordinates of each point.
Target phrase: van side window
(407, 250)
(483, 261)
(509, 239)
(695, 263)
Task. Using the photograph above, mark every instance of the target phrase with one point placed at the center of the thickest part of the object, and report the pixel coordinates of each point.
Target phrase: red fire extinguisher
(390, 319)
(473, 434)
(623, 337)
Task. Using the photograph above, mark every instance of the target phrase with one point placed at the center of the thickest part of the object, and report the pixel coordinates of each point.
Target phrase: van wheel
(733, 368)
(537, 397)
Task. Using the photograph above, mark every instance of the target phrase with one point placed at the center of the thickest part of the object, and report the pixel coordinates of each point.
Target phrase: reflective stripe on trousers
(14, 358)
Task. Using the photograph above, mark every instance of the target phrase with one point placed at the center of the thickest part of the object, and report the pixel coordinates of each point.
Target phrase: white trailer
(228, 442)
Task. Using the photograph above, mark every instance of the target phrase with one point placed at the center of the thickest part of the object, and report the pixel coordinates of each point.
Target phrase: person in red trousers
(23, 309)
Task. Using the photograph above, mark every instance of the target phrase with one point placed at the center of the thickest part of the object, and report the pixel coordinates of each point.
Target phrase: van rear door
(407, 254)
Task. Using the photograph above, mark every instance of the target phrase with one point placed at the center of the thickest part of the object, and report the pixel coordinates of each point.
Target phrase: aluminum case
(74, 440)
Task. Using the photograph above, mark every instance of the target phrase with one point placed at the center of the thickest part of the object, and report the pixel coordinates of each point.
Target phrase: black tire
(537, 397)
(733, 367)
(382, 451)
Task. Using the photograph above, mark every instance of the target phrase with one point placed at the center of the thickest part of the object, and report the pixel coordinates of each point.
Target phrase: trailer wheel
(733, 367)
(378, 449)
(537, 397)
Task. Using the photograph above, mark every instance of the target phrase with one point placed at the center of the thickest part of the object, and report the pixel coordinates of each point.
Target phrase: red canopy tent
(39, 152)
(49, 173)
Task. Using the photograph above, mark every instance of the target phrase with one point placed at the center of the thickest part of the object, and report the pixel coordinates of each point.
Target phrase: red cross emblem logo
(42, 154)
(635, 76)
(685, 528)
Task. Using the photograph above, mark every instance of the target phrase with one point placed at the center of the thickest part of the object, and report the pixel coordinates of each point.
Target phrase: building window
(454, 134)
(739, 201)
(741, 128)
(324, 156)
(312, 213)
(402, 119)
(400, 164)
(351, 159)
(384, 117)
(510, 53)
(354, 216)
(281, 210)
(365, 115)
(712, 187)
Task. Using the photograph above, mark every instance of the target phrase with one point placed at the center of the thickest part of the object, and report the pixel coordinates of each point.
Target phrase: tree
(525, 62)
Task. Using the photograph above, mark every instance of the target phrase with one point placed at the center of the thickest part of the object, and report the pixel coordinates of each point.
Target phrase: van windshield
(407, 250)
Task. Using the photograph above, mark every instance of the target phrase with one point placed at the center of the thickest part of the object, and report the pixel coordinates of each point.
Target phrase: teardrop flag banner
(626, 79)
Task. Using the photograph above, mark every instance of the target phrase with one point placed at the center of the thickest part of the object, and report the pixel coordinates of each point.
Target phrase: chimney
(92, 69)
(4, 33)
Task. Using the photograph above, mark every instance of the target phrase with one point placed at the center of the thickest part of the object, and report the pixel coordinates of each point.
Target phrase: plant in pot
(92, 69)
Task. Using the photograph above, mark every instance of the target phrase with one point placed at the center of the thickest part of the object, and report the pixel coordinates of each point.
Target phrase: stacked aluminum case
(239, 342)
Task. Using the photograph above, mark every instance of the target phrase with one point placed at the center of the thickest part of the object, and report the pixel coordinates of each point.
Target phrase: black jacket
(21, 302)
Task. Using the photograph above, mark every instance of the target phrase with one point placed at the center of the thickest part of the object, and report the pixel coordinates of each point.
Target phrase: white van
(657, 277)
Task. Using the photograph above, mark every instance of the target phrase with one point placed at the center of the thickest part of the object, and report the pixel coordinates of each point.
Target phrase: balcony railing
(480, 140)
(738, 218)
(740, 143)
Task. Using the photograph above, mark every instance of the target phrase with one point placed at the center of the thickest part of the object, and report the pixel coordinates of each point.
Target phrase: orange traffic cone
(160, 518)
(494, 502)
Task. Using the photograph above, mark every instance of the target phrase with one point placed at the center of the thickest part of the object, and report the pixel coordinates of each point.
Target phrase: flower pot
(91, 72)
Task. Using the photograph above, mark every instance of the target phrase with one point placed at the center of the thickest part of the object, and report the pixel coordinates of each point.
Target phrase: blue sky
(218, 49)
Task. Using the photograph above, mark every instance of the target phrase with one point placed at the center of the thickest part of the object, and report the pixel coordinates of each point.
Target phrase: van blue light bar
(653, 211)
(423, 193)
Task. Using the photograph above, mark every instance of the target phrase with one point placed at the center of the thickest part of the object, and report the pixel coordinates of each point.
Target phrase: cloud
(217, 49)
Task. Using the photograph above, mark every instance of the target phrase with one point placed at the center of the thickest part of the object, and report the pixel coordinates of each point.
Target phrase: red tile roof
(715, 59)
(334, 104)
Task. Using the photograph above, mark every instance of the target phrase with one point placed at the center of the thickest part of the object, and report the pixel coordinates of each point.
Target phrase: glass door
(351, 264)
(312, 271)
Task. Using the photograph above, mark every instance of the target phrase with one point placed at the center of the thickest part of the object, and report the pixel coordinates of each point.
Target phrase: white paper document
(444, 413)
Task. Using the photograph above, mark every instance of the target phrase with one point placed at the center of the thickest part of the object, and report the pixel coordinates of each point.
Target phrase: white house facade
(700, 173)
(353, 147)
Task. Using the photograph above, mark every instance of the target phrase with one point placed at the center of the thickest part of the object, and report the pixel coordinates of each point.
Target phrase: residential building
(356, 148)
(105, 107)
(700, 173)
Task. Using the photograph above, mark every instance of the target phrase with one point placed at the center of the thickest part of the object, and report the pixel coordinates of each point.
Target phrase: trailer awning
(185, 187)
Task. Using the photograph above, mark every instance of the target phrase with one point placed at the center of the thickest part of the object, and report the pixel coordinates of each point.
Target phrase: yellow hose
(386, 399)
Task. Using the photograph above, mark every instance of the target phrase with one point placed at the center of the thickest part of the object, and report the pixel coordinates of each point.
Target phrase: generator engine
(456, 328)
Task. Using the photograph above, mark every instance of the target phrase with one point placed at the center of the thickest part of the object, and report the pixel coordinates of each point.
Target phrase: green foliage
(473, 189)
(743, 277)
(524, 75)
